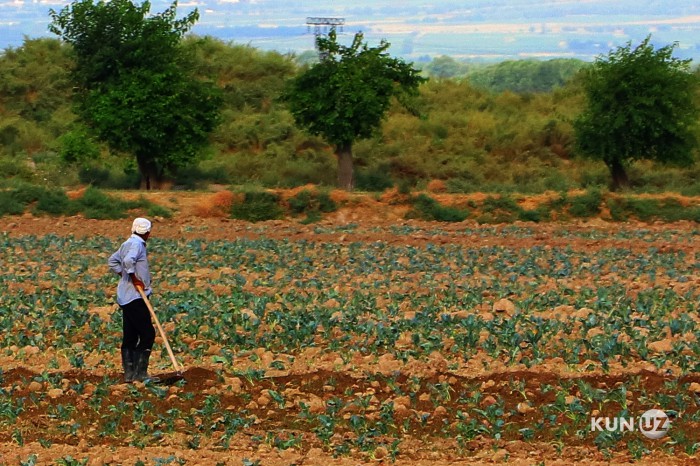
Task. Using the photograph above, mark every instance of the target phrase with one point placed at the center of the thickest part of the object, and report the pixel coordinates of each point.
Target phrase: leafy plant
(257, 206)
(586, 205)
(427, 208)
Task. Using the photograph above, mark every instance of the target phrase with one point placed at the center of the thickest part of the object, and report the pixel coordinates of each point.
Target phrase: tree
(34, 92)
(444, 67)
(640, 104)
(135, 88)
(347, 94)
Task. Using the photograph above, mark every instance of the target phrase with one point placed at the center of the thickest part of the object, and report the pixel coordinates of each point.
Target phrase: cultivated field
(353, 343)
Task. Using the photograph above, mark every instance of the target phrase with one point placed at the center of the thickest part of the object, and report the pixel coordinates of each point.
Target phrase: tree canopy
(641, 103)
(346, 95)
(134, 85)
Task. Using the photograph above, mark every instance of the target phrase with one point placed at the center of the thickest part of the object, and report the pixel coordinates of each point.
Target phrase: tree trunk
(619, 175)
(346, 178)
(151, 177)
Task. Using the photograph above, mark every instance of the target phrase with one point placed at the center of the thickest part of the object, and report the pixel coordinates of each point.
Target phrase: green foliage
(136, 89)
(27, 193)
(96, 204)
(257, 206)
(427, 208)
(345, 97)
(248, 78)
(54, 202)
(376, 180)
(526, 75)
(34, 90)
(504, 209)
(382, 307)
(640, 104)
(649, 209)
(307, 201)
(108, 178)
(443, 66)
(473, 139)
(586, 205)
(10, 205)
(77, 146)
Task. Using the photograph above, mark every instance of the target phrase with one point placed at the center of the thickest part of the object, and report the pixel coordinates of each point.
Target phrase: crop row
(463, 342)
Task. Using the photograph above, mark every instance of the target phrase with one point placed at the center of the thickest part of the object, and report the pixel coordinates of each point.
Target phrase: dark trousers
(139, 333)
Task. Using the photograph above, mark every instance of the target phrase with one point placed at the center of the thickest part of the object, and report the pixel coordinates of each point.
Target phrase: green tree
(34, 93)
(640, 104)
(135, 86)
(526, 75)
(346, 95)
(443, 67)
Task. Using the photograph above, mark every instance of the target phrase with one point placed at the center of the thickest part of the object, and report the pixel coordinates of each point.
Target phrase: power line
(321, 25)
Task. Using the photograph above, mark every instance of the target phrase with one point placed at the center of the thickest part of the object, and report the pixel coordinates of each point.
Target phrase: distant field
(484, 30)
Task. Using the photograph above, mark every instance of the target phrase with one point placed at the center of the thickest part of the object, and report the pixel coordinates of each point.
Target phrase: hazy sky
(419, 29)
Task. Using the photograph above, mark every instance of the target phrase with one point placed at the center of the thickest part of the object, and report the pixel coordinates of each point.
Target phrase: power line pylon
(323, 25)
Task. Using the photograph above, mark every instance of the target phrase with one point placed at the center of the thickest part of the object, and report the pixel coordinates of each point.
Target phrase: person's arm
(137, 281)
(129, 262)
(115, 265)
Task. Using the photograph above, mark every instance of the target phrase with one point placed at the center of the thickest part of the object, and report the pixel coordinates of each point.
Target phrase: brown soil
(312, 380)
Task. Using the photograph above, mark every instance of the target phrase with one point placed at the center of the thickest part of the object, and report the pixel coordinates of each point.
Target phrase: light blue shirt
(131, 258)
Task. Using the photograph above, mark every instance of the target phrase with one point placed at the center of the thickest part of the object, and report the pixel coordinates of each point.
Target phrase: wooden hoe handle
(177, 366)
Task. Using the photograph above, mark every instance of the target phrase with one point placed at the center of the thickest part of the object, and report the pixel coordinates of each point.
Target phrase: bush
(28, 193)
(106, 178)
(373, 180)
(427, 208)
(307, 201)
(667, 209)
(195, 177)
(55, 202)
(155, 210)
(301, 202)
(15, 168)
(96, 204)
(10, 204)
(534, 215)
(257, 206)
(586, 205)
(502, 209)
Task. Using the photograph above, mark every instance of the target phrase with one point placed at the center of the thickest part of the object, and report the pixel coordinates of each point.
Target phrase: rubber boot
(141, 374)
(128, 365)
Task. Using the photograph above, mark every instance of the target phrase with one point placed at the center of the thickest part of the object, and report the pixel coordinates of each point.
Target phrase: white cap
(141, 226)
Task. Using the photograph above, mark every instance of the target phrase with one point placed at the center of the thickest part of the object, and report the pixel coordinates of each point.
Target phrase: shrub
(502, 209)
(55, 202)
(427, 208)
(534, 215)
(376, 180)
(28, 193)
(257, 206)
(98, 205)
(586, 205)
(106, 178)
(311, 203)
(306, 201)
(155, 210)
(667, 209)
(10, 204)
(301, 202)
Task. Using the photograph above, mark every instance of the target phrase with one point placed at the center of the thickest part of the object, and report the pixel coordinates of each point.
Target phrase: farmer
(130, 262)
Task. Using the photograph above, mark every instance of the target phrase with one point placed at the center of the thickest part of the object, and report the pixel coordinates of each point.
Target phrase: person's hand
(137, 282)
